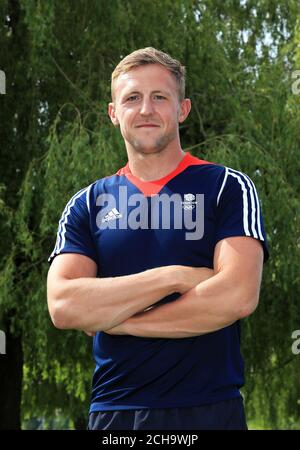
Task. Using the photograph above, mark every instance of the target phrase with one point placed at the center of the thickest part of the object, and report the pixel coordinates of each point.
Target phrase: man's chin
(149, 148)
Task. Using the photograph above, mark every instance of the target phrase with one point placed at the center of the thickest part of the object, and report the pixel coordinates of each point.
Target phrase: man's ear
(185, 108)
(112, 114)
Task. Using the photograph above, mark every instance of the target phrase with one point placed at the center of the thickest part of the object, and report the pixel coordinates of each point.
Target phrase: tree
(239, 57)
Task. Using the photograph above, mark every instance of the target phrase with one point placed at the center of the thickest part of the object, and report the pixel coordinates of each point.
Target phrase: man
(159, 262)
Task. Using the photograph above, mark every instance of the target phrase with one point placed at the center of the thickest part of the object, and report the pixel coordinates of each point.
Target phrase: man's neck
(154, 166)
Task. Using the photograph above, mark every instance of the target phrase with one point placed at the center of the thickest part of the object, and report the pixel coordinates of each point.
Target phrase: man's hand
(118, 330)
(90, 333)
(189, 277)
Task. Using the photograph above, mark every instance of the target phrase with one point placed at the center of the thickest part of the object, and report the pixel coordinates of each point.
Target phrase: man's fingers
(90, 333)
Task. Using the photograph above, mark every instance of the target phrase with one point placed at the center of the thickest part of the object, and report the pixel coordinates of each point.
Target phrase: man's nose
(146, 107)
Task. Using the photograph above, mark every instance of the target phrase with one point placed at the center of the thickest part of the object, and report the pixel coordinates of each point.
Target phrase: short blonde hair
(150, 55)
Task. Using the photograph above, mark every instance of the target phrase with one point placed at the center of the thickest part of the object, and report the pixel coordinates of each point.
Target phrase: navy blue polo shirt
(127, 226)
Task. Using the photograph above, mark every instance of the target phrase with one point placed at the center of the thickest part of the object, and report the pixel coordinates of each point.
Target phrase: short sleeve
(74, 234)
(239, 210)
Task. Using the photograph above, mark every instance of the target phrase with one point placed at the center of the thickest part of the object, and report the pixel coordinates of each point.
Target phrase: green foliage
(59, 55)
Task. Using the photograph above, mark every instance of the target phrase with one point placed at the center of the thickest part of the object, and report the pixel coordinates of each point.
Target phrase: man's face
(147, 108)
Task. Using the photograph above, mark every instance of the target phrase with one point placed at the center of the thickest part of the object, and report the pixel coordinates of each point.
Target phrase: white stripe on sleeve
(223, 185)
(253, 200)
(60, 240)
(252, 225)
(258, 210)
(245, 202)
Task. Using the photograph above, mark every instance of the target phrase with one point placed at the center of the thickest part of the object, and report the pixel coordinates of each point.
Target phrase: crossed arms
(210, 299)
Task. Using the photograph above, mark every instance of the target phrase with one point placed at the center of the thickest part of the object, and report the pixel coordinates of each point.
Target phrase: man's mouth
(147, 125)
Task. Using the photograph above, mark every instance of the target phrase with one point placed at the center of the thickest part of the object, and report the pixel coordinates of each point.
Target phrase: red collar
(149, 188)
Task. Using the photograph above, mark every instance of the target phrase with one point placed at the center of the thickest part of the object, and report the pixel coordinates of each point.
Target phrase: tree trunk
(80, 423)
(11, 375)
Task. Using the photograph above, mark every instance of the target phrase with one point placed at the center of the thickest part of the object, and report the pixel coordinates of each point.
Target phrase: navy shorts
(225, 415)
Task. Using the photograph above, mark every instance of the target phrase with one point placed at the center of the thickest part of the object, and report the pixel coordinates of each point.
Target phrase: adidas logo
(113, 214)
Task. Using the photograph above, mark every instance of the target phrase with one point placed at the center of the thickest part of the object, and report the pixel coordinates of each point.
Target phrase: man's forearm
(99, 303)
(210, 306)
